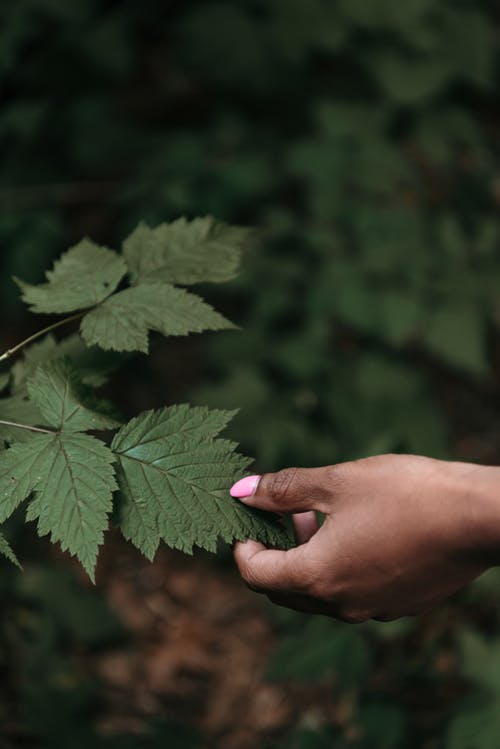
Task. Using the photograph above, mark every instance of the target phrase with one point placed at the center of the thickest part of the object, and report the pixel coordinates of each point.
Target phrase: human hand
(400, 534)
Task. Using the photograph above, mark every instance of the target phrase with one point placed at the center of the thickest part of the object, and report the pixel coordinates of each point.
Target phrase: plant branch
(25, 426)
(10, 352)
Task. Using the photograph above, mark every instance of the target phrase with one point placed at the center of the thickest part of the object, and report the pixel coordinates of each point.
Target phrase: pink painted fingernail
(244, 487)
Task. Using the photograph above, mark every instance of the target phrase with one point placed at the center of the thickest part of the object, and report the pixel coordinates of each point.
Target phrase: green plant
(170, 467)
(362, 138)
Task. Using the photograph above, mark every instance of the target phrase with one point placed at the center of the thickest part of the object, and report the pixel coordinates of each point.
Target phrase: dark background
(361, 139)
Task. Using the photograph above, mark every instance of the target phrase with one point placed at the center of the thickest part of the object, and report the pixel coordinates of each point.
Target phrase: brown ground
(200, 641)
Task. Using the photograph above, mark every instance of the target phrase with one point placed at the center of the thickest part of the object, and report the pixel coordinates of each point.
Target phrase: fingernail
(244, 487)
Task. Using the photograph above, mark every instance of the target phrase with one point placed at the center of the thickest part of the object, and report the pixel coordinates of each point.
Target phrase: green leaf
(123, 321)
(93, 364)
(84, 276)
(82, 613)
(408, 80)
(39, 352)
(64, 401)
(477, 724)
(174, 478)
(21, 410)
(72, 478)
(457, 334)
(7, 552)
(4, 381)
(185, 252)
(196, 424)
(18, 474)
(383, 725)
(480, 659)
(320, 650)
(400, 315)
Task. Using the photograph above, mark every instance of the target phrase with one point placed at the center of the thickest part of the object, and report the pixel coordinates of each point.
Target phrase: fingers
(266, 570)
(291, 489)
(306, 525)
(286, 580)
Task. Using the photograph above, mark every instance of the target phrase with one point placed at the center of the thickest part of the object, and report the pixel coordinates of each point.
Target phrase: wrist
(482, 529)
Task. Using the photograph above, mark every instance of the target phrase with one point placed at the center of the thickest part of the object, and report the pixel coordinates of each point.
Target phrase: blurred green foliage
(50, 625)
(361, 138)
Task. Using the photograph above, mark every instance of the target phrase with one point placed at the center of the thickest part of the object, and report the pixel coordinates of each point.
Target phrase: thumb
(288, 490)
(266, 570)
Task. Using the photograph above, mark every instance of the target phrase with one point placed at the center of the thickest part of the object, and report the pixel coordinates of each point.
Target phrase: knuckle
(279, 484)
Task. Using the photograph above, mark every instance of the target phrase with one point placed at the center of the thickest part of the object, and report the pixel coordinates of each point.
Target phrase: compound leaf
(84, 276)
(185, 252)
(174, 477)
(72, 478)
(123, 321)
(64, 401)
(7, 552)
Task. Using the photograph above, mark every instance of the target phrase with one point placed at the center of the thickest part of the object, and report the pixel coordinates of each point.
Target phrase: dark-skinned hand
(400, 534)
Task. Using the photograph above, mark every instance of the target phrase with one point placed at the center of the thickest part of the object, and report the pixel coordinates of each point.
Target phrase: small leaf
(185, 252)
(93, 364)
(457, 334)
(21, 410)
(123, 321)
(64, 401)
(408, 80)
(39, 352)
(73, 480)
(21, 468)
(4, 381)
(174, 479)
(193, 423)
(480, 659)
(84, 276)
(383, 725)
(7, 552)
(322, 649)
(476, 724)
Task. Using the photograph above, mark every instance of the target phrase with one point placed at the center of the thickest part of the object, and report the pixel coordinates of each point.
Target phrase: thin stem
(25, 426)
(40, 333)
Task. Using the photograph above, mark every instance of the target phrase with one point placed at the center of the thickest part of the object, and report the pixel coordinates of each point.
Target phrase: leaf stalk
(10, 352)
(25, 426)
